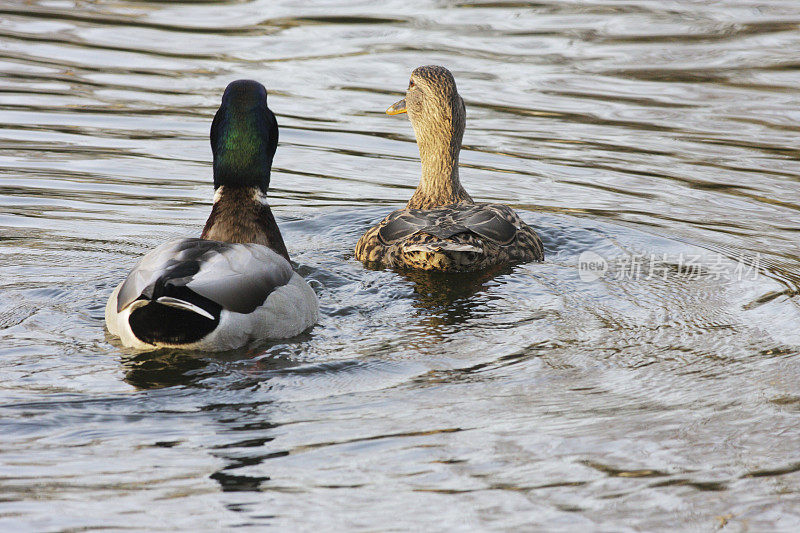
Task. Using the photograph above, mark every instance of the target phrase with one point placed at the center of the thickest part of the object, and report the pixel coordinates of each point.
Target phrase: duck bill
(397, 108)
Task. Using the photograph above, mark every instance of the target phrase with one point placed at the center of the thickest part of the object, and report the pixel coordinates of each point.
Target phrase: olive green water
(662, 396)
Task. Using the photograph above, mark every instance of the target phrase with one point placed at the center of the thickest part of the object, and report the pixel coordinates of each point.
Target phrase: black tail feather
(155, 323)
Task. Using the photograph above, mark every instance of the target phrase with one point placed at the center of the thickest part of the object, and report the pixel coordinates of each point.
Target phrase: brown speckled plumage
(441, 228)
(448, 238)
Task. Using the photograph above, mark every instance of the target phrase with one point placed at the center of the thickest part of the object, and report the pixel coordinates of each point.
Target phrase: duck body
(234, 284)
(450, 238)
(441, 227)
(210, 295)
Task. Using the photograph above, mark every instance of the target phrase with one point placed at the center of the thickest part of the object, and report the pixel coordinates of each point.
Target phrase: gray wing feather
(403, 225)
(147, 271)
(484, 220)
(238, 277)
(491, 225)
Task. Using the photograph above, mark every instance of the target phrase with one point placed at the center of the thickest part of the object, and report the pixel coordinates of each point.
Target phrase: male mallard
(234, 284)
(441, 228)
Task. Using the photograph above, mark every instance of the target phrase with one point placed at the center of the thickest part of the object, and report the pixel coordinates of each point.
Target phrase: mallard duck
(441, 228)
(234, 284)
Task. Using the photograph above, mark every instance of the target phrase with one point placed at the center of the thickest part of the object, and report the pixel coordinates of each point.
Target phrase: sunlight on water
(649, 385)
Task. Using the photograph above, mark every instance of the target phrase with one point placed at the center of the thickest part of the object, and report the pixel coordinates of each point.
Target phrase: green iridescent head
(244, 136)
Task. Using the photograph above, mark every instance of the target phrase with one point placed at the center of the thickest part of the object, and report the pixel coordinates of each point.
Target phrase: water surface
(657, 133)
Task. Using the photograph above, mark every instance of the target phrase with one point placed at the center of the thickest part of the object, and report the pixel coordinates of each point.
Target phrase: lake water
(663, 395)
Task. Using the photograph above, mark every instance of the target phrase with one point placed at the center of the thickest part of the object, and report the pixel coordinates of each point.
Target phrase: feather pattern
(453, 238)
(236, 277)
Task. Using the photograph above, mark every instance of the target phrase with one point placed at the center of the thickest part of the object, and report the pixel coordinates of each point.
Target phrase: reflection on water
(449, 293)
(154, 370)
(526, 398)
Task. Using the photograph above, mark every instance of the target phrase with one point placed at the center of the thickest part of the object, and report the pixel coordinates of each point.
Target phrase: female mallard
(234, 284)
(441, 228)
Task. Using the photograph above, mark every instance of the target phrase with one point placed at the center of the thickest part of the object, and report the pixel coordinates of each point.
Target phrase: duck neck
(439, 184)
(242, 215)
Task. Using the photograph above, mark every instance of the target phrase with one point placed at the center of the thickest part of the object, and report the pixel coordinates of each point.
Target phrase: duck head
(244, 136)
(434, 107)
(438, 116)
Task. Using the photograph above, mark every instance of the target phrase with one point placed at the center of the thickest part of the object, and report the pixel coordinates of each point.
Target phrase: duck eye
(411, 84)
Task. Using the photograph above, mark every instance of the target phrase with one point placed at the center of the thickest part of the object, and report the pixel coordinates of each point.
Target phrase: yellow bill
(397, 108)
